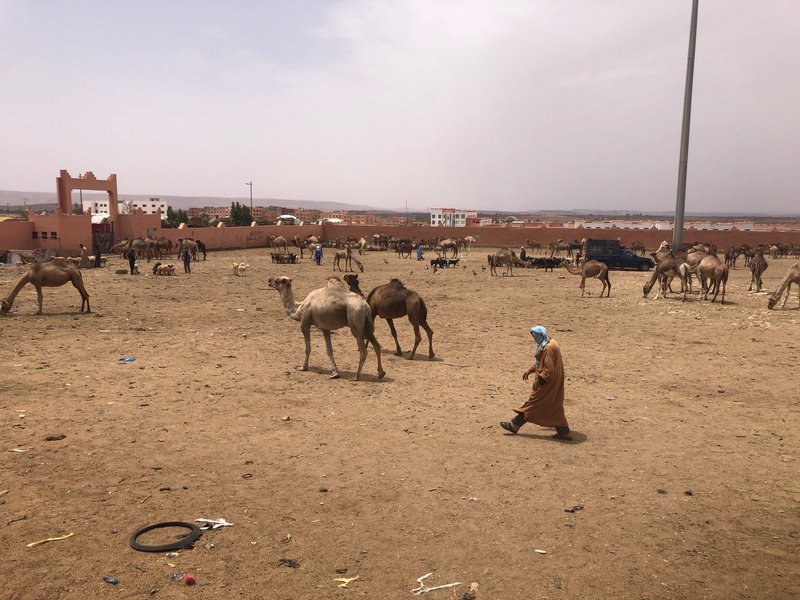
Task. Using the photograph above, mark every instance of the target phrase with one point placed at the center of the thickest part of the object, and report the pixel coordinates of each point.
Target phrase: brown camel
(393, 301)
(638, 248)
(592, 268)
(792, 276)
(666, 270)
(712, 273)
(48, 274)
(448, 244)
(506, 257)
(280, 242)
(758, 264)
(349, 259)
(351, 279)
(328, 308)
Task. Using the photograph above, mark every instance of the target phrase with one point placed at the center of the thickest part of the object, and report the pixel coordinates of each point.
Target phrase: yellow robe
(545, 406)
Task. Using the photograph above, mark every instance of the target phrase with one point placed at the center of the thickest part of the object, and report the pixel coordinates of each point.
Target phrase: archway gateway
(66, 184)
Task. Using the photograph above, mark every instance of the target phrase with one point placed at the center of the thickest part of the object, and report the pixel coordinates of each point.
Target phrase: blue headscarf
(539, 334)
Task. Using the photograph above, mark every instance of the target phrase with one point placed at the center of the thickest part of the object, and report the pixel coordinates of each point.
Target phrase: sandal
(564, 436)
(509, 427)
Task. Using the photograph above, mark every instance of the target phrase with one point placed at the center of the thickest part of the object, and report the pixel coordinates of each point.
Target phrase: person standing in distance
(545, 405)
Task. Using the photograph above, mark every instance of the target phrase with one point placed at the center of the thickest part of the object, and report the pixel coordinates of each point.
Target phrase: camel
(404, 248)
(469, 241)
(661, 253)
(792, 276)
(279, 242)
(666, 270)
(362, 245)
(349, 259)
(47, 274)
(393, 301)
(328, 308)
(534, 245)
(351, 279)
(592, 268)
(557, 247)
(448, 244)
(638, 247)
(506, 257)
(713, 271)
(758, 264)
(190, 244)
(163, 245)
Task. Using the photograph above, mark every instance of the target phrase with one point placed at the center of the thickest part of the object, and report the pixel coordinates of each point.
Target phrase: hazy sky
(478, 104)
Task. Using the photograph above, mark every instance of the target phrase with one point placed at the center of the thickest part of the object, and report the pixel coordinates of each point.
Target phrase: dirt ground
(685, 457)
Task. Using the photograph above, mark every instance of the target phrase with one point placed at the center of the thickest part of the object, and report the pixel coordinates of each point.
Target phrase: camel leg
(329, 349)
(429, 331)
(394, 335)
(583, 286)
(417, 337)
(78, 283)
(362, 355)
(41, 299)
(307, 338)
(377, 347)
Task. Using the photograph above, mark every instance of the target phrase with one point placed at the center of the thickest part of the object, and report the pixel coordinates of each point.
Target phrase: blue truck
(615, 256)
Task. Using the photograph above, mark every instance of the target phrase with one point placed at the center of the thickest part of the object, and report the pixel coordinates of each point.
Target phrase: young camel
(393, 301)
(328, 308)
(48, 274)
(758, 264)
(349, 259)
(666, 270)
(592, 268)
(792, 276)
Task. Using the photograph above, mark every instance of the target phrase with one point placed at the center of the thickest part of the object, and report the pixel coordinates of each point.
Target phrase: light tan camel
(506, 257)
(792, 276)
(47, 274)
(187, 243)
(591, 268)
(666, 270)
(393, 301)
(758, 264)
(280, 242)
(445, 245)
(349, 259)
(712, 273)
(328, 308)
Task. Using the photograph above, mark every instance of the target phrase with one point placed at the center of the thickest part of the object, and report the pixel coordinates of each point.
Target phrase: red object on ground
(189, 579)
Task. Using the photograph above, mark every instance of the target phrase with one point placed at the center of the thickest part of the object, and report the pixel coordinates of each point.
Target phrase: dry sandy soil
(685, 456)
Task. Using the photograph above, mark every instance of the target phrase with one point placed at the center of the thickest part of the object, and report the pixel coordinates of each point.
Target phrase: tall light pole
(250, 184)
(680, 204)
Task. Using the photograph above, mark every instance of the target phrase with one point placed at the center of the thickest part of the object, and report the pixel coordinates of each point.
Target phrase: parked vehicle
(614, 256)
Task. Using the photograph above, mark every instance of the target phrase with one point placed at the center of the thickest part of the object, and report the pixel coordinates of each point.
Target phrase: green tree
(172, 220)
(77, 209)
(182, 216)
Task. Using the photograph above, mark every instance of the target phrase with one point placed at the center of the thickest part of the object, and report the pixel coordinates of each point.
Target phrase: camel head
(5, 306)
(280, 283)
(351, 279)
(773, 300)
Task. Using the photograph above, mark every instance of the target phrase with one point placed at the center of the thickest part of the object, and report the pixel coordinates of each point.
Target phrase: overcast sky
(477, 104)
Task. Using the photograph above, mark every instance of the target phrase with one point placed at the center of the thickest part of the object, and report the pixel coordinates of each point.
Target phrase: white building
(451, 217)
(149, 207)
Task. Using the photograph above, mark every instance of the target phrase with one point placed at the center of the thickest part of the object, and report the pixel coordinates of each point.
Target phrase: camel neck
(23, 281)
(287, 296)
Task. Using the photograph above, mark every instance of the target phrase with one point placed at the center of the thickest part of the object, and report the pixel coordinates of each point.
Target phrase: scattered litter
(540, 551)
(247, 476)
(662, 491)
(574, 509)
(344, 581)
(209, 546)
(19, 449)
(611, 397)
(213, 523)
(51, 539)
(288, 562)
(287, 539)
(40, 367)
(3, 492)
(422, 589)
(175, 576)
(557, 583)
(183, 543)
(472, 594)
(15, 520)
(688, 493)
(127, 359)
(173, 554)
(55, 437)
(324, 490)
(189, 579)
(110, 579)
(341, 571)
(286, 418)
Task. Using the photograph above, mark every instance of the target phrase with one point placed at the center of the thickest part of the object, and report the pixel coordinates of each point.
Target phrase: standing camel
(758, 264)
(349, 259)
(506, 257)
(713, 274)
(592, 268)
(792, 276)
(638, 248)
(280, 242)
(393, 301)
(448, 244)
(48, 274)
(328, 308)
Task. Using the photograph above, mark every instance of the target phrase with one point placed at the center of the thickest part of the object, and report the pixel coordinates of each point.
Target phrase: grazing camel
(792, 276)
(48, 274)
(712, 273)
(592, 268)
(349, 259)
(328, 308)
(394, 300)
(506, 257)
(666, 270)
(758, 264)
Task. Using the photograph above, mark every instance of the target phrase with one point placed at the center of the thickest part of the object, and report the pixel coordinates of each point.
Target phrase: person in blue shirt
(318, 255)
(419, 252)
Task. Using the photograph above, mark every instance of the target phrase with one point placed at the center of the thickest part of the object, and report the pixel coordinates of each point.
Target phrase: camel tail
(369, 324)
(423, 311)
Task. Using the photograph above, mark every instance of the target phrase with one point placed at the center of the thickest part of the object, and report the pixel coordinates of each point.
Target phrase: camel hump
(396, 282)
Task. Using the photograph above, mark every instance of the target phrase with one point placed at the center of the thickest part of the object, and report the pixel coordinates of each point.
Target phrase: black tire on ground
(644, 267)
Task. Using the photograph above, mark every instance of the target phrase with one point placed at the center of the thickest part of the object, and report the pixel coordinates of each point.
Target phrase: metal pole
(680, 205)
(80, 190)
(250, 183)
